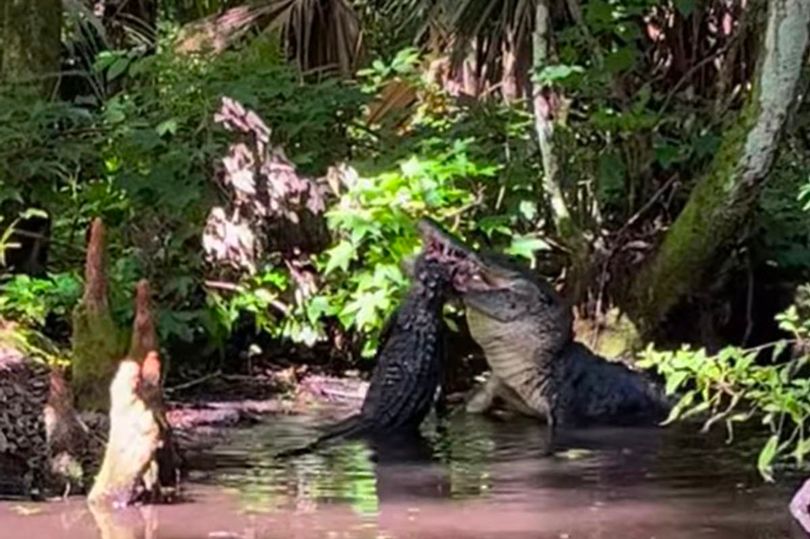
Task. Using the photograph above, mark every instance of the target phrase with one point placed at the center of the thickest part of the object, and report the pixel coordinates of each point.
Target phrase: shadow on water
(473, 477)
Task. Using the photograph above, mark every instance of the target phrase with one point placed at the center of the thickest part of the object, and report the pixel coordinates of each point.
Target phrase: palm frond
(317, 34)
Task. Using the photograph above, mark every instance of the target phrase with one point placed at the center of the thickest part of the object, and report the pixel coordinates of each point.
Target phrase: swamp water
(477, 478)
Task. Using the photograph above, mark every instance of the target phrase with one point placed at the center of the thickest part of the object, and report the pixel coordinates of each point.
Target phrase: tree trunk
(32, 42)
(723, 199)
(544, 104)
(2, 37)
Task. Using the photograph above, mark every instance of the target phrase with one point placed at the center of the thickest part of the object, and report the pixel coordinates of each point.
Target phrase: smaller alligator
(525, 330)
(405, 382)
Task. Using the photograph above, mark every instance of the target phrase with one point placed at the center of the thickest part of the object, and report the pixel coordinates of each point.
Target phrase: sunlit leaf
(766, 457)
(340, 256)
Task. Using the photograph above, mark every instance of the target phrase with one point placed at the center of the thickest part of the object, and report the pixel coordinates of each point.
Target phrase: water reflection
(473, 477)
(137, 523)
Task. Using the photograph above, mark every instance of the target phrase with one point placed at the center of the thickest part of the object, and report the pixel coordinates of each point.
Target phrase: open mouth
(468, 271)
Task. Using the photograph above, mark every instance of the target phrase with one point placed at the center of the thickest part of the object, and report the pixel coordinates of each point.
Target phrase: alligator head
(505, 301)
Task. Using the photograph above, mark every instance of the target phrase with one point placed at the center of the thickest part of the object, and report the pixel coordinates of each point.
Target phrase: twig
(749, 302)
(735, 399)
(195, 382)
(635, 217)
(688, 75)
(647, 205)
(222, 285)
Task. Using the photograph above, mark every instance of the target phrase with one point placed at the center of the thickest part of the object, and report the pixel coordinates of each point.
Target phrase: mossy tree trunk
(2, 36)
(31, 42)
(723, 199)
(97, 345)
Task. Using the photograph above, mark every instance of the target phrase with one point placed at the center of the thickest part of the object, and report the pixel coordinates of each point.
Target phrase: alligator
(524, 328)
(405, 383)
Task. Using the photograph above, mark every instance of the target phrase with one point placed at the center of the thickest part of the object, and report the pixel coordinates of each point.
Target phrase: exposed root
(130, 469)
(144, 336)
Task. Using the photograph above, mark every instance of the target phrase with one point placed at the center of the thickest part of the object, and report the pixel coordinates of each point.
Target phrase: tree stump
(96, 340)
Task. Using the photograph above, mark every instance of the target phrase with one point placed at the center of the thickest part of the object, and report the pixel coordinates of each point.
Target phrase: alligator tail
(351, 426)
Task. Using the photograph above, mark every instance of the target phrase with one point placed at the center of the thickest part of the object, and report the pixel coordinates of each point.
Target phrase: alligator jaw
(470, 271)
(439, 242)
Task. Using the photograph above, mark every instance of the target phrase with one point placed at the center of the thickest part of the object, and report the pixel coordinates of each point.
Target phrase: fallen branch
(195, 382)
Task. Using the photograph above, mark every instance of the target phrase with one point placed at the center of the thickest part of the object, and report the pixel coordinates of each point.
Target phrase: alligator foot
(483, 396)
(487, 395)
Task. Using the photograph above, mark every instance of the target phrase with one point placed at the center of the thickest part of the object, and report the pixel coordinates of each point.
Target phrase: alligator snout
(470, 271)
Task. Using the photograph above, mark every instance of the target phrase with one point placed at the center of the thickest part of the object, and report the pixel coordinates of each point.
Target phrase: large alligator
(525, 330)
(405, 382)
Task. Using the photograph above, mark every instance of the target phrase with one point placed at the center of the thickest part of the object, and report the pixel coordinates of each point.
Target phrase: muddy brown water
(475, 478)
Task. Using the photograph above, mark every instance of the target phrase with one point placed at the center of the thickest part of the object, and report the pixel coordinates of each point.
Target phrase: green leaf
(620, 60)
(667, 154)
(526, 246)
(766, 457)
(555, 73)
(528, 209)
(801, 449)
(686, 7)
(169, 126)
(674, 381)
(33, 212)
(118, 67)
(340, 256)
(677, 410)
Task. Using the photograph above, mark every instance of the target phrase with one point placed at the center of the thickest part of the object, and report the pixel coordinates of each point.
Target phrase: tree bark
(544, 103)
(723, 199)
(31, 43)
(544, 122)
(2, 36)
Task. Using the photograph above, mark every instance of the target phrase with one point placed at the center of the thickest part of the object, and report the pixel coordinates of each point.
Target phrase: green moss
(713, 216)
(616, 336)
(97, 347)
(31, 41)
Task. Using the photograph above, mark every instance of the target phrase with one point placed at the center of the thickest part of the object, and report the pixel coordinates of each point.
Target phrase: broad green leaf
(340, 256)
(118, 67)
(674, 381)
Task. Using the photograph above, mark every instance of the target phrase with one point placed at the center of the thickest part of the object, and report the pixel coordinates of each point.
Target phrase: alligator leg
(484, 396)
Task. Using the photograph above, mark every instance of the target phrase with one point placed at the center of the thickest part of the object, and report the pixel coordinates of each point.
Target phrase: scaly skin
(525, 330)
(405, 381)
